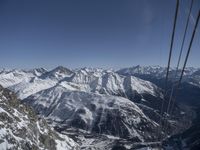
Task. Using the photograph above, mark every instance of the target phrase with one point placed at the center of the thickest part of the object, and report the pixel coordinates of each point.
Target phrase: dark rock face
(119, 148)
(188, 139)
(20, 128)
(112, 124)
(57, 73)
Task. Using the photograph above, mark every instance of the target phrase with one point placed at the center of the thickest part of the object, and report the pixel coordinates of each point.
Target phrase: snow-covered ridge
(21, 129)
(95, 100)
(92, 112)
(26, 83)
(156, 71)
(74, 91)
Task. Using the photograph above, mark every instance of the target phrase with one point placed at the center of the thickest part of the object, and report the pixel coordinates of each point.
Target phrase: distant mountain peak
(58, 73)
(62, 69)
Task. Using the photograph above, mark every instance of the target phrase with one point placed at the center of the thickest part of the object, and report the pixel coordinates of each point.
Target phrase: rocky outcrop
(21, 129)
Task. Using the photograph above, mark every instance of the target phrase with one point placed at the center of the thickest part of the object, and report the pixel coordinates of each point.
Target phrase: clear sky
(92, 33)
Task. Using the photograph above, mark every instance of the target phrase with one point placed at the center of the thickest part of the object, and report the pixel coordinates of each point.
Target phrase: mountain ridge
(79, 92)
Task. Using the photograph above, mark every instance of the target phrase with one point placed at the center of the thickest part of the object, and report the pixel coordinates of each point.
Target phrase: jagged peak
(61, 69)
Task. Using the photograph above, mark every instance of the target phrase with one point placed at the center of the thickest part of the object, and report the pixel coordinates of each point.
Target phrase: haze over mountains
(102, 109)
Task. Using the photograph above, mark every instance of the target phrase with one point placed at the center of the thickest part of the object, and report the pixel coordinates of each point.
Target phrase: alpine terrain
(92, 108)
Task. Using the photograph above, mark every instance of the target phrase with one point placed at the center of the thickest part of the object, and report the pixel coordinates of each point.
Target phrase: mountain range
(107, 108)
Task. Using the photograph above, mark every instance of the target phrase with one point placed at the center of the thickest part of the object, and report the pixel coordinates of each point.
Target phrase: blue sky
(91, 33)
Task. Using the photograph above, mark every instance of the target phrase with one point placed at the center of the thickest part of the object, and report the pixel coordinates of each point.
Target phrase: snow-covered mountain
(194, 78)
(25, 83)
(147, 70)
(110, 83)
(100, 81)
(155, 71)
(157, 75)
(96, 101)
(57, 74)
(21, 129)
(9, 78)
(92, 112)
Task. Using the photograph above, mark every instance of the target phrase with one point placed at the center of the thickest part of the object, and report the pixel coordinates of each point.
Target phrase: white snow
(64, 95)
(26, 83)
